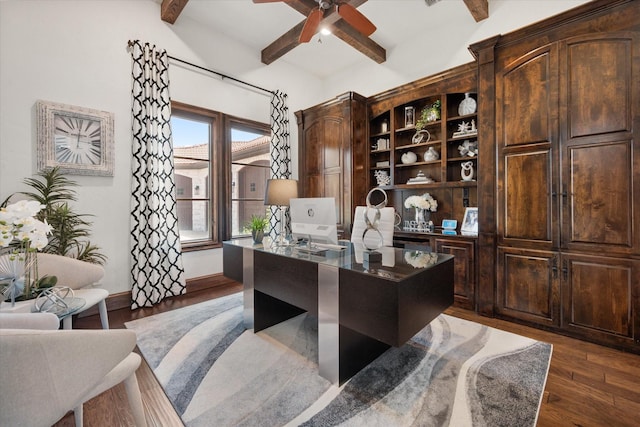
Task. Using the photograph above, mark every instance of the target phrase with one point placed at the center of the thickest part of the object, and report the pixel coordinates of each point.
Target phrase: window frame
(220, 179)
(247, 125)
(217, 170)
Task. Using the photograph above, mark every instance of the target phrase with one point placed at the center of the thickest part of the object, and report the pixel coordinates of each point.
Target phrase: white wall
(74, 52)
(439, 48)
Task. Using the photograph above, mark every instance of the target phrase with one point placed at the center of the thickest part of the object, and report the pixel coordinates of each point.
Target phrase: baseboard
(123, 299)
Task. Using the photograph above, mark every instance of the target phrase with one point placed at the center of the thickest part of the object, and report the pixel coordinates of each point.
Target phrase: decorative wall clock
(75, 139)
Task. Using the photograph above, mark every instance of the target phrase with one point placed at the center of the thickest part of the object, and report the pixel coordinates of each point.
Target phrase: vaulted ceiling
(394, 20)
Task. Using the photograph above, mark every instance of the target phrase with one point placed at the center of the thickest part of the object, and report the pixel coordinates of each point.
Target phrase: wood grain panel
(526, 100)
(333, 138)
(463, 269)
(332, 184)
(313, 135)
(599, 86)
(600, 199)
(527, 287)
(598, 295)
(527, 202)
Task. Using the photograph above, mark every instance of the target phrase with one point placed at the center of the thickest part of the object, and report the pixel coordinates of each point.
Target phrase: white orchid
(18, 222)
(426, 201)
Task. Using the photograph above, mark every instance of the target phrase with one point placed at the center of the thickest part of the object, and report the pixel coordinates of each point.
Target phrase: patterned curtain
(157, 270)
(280, 150)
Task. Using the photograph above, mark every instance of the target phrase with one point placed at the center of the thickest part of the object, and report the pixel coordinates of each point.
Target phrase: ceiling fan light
(325, 31)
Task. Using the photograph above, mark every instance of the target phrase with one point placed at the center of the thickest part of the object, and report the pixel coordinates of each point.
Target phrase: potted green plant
(70, 231)
(257, 224)
(430, 113)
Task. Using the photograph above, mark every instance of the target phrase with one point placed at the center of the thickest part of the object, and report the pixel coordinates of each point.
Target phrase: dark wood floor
(588, 385)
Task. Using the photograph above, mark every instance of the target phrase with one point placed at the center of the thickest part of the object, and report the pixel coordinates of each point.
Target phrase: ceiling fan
(348, 13)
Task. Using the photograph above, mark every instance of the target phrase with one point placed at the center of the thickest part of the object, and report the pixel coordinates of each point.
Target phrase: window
(249, 173)
(211, 149)
(194, 140)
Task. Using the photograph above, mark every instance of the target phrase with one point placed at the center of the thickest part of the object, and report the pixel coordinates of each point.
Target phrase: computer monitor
(314, 218)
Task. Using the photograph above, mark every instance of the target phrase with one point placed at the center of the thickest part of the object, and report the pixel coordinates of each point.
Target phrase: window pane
(192, 133)
(249, 174)
(242, 211)
(193, 220)
(192, 179)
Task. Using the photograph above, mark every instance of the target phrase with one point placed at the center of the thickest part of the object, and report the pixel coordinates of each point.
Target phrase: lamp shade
(280, 191)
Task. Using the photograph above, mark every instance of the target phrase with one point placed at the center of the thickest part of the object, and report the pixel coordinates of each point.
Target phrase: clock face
(77, 140)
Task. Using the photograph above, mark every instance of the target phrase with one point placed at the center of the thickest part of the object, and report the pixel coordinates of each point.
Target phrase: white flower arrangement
(426, 201)
(22, 234)
(18, 222)
(419, 259)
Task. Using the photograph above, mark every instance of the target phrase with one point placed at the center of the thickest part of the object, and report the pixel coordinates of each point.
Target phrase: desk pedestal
(360, 314)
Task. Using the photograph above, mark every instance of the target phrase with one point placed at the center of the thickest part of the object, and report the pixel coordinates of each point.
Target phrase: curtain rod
(223, 76)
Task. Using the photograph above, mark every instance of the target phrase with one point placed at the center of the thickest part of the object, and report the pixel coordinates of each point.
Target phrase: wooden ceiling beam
(171, 9)
(358, 41)
(479, 9)
(282, 45)
(335, 23)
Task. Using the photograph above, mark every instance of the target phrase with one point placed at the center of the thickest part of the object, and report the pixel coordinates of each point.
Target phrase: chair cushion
(55, 369)
(40, 321)
(69, 271)
(385, 226)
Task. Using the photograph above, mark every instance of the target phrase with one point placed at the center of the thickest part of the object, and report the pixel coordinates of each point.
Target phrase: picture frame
(449, 224)
(409, 117)
(77, 140)
(470, 221)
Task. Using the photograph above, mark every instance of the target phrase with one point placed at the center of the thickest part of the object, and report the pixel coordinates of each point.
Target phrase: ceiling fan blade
(267, 1)
(356, 19)
(311, 25)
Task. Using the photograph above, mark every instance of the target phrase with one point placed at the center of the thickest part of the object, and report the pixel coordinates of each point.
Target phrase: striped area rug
(453, 372)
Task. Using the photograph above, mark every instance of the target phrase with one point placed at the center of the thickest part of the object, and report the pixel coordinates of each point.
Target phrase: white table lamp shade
(280, 191)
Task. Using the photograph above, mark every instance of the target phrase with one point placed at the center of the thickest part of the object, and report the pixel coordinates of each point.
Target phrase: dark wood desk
(361, 311)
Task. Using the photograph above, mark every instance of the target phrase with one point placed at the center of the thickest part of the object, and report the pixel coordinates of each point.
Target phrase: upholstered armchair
(47, 372)
(77, 275)
(372, 239)
(385, 227)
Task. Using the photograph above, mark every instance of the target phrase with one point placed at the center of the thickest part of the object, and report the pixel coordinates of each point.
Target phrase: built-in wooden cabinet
(392, 136)
(332, 154)
(566, 182)
(392, 119)
(464, 250)
(528, 285)
(557, 175)
(393, 140)
(464, 268)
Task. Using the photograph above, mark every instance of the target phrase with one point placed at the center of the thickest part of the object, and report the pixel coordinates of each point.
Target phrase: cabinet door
(528, 286)
(599, 157)
(600, 298)
(527, 138)
(323, 157)
(464, 267)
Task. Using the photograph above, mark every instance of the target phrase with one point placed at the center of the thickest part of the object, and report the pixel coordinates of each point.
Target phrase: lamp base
(281, 240)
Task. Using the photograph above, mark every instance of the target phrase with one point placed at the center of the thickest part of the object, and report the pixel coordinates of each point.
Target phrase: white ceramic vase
(467, 106)
(409, 157)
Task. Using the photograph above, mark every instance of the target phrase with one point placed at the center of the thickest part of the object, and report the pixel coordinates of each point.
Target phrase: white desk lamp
(278, 193)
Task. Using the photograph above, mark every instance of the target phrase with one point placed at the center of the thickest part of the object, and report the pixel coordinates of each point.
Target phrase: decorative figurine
(468, 148)
(467, 171)
(409, 157)
(382, 178)
(431, 154)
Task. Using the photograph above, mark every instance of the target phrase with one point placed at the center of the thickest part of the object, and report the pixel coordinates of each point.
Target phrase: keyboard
(328, 246)
(307, 250)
